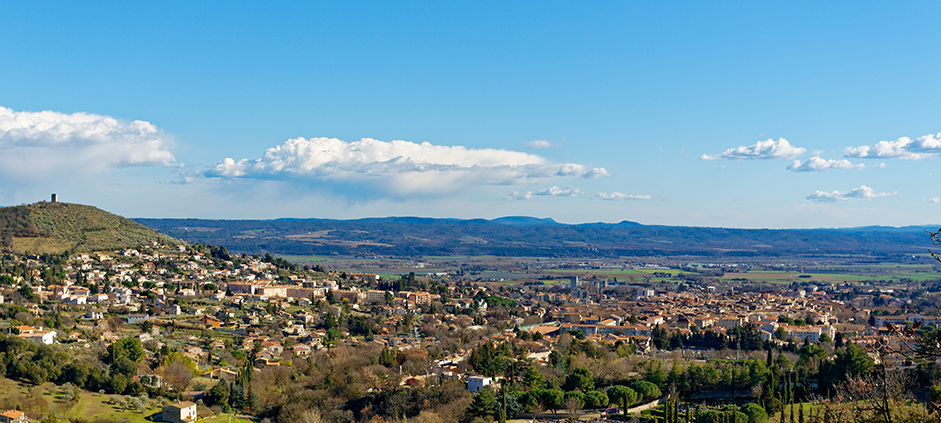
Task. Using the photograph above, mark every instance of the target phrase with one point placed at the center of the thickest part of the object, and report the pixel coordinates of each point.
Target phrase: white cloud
(621, 196)
(816, 164)
(861, 193)
(924, 147)
(396, 167)
(540, 144)
(597, 172)
(555, 191)
(770, 149)
(934, 200)
(573, 169)
(519, 195)
(34, 143)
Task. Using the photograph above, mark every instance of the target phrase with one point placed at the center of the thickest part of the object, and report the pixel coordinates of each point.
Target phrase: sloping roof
(13, 414)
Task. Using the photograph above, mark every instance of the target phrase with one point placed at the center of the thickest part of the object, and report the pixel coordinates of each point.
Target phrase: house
(301, 350)
(137, 318)
(181, 412)
(221, 373)
(210, 321)
(13, 416)
(30, 333)
(476, 383)
(273, 347)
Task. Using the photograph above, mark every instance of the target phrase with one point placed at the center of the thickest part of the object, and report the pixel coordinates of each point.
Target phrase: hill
(56, 227)
(533, 237)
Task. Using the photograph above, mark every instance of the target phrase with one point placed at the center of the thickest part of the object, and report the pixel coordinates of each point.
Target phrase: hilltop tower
(55, 198)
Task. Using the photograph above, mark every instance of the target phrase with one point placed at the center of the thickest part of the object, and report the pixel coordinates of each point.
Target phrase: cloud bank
(397, 167)
(924, 147)
(816, 164)
(621, 196)
(861, 193)
(35, 141)
(762, 150)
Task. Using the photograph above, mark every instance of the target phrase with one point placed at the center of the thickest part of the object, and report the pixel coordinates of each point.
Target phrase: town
(190, 331)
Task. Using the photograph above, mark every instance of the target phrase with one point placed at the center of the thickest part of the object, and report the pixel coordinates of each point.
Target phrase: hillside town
(224, 315)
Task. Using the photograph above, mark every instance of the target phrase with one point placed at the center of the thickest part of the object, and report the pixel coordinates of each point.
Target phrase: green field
(307, 259)
(883, 272)
(776, 417)
(47, 399)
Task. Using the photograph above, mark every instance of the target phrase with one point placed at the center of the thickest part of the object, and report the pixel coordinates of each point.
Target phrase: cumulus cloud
(816, 164)
(762, 150)
(861, 193)
(596, 172)
(36, 142)
(573, 169)
(553, 191)
(540, 144)
(924, 147)
(934, 200)
(621, 196)
(519, 195)
(396, 167)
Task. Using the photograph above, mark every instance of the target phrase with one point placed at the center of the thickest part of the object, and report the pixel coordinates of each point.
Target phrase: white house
(476, 383)
(137, 318)
(30, 333)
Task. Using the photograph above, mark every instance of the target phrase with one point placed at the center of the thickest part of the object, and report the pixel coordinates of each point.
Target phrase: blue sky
(751, 114)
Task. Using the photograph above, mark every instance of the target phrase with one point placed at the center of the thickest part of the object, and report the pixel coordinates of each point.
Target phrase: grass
(84, 228)
(88, 405)
(776, 417)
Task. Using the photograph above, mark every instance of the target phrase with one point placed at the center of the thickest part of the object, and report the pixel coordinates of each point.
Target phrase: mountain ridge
(533, 237)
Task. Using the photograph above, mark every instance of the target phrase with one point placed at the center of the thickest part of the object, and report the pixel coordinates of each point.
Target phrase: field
(776, 417)
(306, 259)
(48, 399)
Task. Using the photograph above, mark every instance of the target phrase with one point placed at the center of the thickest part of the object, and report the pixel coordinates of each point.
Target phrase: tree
(574, 401)
(853, 360)
(533, 378)
(177, 375)
(125, 367)
(580, 379)
(118, 384)
(129, 348)
(622, 395)
(755, 413)
(647, 391)
(552, 399)
(596, 399)
(484, 404)
(218, 395)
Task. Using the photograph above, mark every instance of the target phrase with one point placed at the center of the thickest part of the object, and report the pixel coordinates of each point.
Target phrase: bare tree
(177, 375)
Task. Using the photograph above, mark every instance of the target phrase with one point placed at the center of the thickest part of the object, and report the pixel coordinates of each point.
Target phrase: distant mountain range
(56, 227)
(534, 237)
